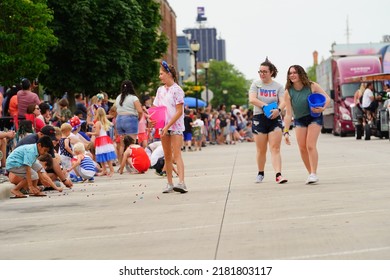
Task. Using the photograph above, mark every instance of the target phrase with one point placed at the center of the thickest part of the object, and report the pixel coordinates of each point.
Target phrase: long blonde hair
(102, 118)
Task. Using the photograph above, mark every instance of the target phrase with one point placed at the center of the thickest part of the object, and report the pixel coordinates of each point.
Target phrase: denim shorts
(127, 124)
(308, 120)
(262, 124)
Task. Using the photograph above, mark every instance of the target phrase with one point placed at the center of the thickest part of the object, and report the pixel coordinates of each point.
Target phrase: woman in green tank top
(308, 128)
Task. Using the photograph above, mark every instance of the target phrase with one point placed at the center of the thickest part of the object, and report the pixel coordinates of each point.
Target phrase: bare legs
(307, 140)
(273, 139)
(172, 152)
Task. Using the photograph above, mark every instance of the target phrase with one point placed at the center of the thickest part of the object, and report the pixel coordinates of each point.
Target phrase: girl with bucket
(266, 96)
(307, 100)
(171, 96)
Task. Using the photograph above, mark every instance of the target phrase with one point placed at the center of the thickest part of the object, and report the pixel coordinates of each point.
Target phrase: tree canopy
(101, 43)
(24, 39)
(224, 76)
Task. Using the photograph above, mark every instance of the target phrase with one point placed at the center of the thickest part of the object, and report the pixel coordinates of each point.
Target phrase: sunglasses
(166, 66)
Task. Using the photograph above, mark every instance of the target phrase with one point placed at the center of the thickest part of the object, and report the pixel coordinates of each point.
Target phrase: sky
(286, 31)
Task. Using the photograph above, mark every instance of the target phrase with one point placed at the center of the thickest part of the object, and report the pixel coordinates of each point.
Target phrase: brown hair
(302, 76)
(63, 102)
(31, 108)
(171, 71)
(271, 67)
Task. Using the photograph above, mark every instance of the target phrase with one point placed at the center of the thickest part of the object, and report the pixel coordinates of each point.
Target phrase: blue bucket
(316, 100)
(268, 108)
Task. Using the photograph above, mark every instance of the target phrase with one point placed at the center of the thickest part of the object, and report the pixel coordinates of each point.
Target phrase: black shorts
(262, 124)
(159, 165)
(373, 106)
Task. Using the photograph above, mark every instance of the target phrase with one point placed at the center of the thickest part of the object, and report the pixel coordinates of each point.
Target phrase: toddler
(83, 166)
(65, 147)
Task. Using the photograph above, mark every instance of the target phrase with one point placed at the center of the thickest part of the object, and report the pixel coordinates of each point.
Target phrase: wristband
(64, 180)
(285, 130)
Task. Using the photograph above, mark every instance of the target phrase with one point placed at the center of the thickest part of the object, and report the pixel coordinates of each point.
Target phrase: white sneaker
(168, 188)
(181, 188)
(259, 178)
(312, 179)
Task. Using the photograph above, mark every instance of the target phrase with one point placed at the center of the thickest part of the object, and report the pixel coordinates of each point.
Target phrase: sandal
(18, 196)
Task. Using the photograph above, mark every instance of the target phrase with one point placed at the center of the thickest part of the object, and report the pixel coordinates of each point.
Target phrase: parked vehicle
(379, 127)
(333, 75)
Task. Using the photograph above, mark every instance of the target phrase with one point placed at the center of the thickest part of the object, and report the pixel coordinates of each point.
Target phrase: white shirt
(367, 98)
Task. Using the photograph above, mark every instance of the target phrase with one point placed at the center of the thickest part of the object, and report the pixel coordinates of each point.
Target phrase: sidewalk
(225, 215)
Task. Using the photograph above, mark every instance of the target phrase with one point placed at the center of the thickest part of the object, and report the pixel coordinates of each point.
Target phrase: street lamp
(182, 73)
(206, 66)
(195, 47)
(225, 92)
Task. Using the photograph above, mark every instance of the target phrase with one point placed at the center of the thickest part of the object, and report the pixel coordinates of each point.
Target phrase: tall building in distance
(211, 47)
(168, 27)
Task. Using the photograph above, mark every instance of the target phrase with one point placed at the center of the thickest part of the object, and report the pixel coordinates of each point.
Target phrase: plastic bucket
(268, 108)
(316, 100)
(157, 114)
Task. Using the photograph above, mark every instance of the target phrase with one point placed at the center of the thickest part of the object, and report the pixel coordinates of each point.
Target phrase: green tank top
(299, 103)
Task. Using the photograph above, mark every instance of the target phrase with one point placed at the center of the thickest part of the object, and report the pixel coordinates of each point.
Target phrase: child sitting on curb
(83, 166)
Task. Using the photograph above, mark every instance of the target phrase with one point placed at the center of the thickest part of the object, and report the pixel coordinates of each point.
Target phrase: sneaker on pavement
(168, 188)
(181, 188)
(91, 180)
(281, 180)
(312, 179)
(77, 180)
(259, 178)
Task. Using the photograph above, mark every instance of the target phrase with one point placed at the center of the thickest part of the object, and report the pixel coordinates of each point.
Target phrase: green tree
(224, 76)
(101, 43)
(24, 39)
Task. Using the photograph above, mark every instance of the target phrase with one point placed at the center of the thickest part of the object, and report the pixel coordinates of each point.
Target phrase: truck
(333, 76)
(380, 126)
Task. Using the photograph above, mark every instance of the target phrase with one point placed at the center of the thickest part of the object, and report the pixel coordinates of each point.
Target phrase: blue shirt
(24, 155)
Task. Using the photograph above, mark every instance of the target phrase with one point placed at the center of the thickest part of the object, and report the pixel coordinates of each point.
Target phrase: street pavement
(224, 216)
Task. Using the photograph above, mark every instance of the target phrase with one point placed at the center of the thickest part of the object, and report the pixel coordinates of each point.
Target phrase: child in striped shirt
(83, 166)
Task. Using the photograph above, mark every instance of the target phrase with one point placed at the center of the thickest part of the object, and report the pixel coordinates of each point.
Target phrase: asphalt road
(224, 216)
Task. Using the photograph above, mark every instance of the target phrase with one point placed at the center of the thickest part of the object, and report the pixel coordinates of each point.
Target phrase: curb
(5, 190)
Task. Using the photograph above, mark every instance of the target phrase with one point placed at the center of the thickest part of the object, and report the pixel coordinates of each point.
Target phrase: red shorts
(142, 137)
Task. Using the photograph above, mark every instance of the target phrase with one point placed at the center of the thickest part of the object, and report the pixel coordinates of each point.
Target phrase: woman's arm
(255, 101)
(138, 107)
(287, 117)
(317, 88)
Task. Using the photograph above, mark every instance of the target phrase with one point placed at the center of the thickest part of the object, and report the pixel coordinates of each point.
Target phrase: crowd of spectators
(80, 136)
